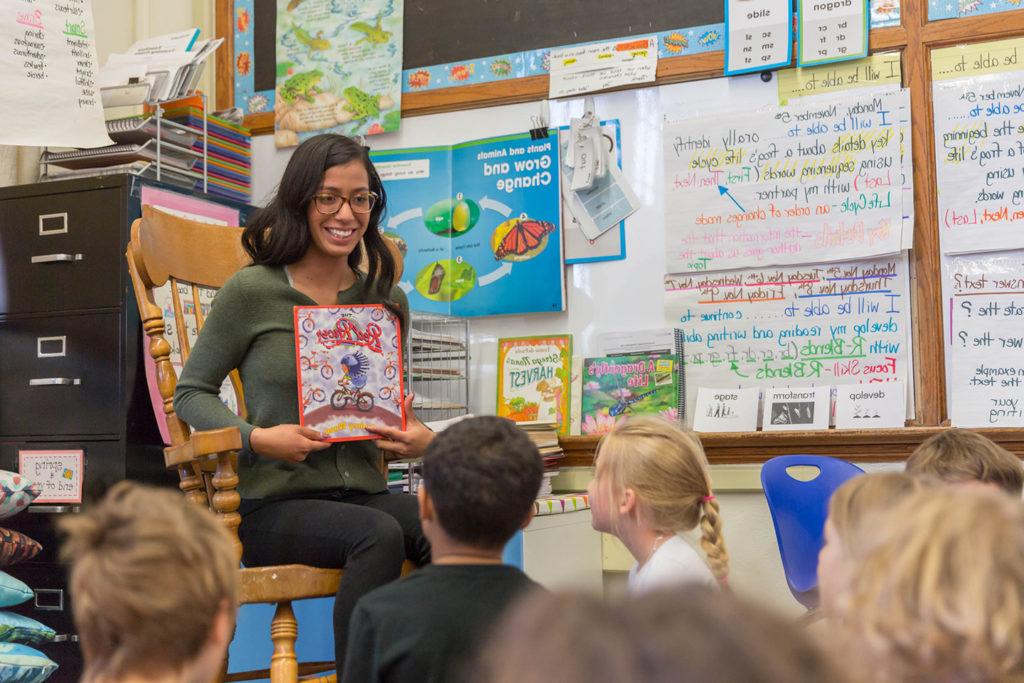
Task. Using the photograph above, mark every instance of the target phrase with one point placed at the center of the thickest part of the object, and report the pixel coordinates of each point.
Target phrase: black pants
(367, 535)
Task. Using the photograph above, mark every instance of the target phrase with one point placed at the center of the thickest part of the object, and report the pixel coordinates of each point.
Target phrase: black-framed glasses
(328, 203)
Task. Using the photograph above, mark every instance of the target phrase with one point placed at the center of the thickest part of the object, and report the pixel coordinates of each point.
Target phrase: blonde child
(154, 582)
(960, 455)
(939, 595)
(651, 483)
(847, 537)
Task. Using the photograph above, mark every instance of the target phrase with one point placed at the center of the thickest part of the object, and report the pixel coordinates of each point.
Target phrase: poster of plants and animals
(533, 379)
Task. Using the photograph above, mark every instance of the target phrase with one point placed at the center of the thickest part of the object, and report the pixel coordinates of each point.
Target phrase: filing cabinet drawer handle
(56, 258)
(54, 381)
(53, 599)
(66, 638)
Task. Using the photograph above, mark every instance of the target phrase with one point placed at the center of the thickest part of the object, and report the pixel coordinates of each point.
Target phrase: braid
(711, 539)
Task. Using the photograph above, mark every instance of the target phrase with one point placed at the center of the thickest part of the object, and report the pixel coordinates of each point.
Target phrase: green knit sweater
(250, 327)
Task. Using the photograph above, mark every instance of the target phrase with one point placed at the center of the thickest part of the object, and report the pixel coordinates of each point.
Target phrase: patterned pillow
(16, 547)
(12, 592)
(16, 492)
(22, 664)
(15, 628)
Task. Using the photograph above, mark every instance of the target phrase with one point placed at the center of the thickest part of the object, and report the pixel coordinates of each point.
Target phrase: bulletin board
(619, 295)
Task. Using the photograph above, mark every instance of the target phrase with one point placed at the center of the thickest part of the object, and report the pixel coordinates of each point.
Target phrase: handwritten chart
(810, 183)
(839, 323)
(979, 146)
(986, 339)
(48, 59)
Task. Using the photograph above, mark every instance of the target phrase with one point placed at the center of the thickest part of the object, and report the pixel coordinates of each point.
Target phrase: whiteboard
(600, 297)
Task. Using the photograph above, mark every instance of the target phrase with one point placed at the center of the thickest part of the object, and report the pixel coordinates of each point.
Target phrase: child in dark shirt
(480, 478)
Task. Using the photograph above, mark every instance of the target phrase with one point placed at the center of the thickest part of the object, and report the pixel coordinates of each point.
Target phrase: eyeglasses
(361, 202)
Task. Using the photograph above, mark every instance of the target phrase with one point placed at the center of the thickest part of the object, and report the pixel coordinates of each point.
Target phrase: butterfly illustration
(525, 236)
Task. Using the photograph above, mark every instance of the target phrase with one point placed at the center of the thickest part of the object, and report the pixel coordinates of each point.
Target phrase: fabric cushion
(16, 628)
(16, 547)
(12, 592)
(22, 664)
(16, 492)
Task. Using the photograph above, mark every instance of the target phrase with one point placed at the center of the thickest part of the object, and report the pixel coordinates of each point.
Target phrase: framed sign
(58, 473)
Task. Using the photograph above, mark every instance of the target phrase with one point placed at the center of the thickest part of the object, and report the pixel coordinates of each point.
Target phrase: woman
(305, 500)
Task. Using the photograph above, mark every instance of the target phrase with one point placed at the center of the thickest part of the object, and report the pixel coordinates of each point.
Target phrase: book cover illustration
(615, 387)
(534, 379)
(349, 366)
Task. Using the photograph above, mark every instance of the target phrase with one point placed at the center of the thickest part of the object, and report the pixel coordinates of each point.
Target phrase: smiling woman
(306, 500)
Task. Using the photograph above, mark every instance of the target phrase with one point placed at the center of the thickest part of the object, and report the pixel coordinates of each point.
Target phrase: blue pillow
(22, 664)
(12, 592)
(15, 628)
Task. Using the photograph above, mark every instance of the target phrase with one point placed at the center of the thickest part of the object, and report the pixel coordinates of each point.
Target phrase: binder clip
(361, 141)
(539, 129)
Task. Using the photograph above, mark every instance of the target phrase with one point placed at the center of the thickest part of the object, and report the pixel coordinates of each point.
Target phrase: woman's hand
(410, 443)
(286, 442)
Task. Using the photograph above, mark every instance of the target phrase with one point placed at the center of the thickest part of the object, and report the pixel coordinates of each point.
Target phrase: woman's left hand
(407, 443)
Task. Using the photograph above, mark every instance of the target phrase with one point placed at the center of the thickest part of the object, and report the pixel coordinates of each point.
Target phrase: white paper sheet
(878, 406)
(589, 68)
(726, 410)
(796, 408)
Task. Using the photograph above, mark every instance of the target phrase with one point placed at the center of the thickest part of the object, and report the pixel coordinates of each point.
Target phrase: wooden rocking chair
(194, 255)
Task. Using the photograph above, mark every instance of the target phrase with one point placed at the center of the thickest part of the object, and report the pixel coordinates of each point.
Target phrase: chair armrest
(203, 444)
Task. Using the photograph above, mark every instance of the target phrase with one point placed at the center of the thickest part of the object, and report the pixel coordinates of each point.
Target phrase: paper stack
(229, 157)
(170, 65)
(545, 437)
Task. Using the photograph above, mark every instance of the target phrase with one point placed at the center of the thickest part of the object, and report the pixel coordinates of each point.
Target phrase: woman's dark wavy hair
(278, 234)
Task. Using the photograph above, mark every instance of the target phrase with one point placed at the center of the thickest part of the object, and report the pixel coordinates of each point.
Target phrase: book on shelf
(348, 361)
(534, 379)
(615, 387)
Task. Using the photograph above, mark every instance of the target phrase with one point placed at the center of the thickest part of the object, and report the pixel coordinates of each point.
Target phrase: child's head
(480, 478)
(960, 455)
(940, 596)
(847, 535)
(154, 579)
(652, 474)
(686, 634)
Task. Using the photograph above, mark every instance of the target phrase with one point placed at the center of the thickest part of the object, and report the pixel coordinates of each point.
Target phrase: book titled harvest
(615, 387)
(349, 364)
(533, 379)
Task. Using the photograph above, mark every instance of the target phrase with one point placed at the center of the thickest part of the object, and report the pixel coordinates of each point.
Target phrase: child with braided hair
(651, 483)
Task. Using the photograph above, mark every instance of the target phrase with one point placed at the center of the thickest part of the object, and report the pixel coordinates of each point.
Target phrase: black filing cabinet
(72, 373)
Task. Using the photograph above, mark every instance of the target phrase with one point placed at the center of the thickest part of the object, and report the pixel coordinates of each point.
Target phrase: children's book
(533, 379)
(615, 387)
(349, 364)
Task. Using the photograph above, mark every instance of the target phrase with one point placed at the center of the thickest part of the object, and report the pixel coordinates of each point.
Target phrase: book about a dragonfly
(616, 387)
(349, 365)
(533, 379)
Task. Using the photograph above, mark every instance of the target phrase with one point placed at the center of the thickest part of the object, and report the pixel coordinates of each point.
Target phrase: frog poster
(616, 387)
(479, 225)
(534, 379)
(349, 366)
(339, 68)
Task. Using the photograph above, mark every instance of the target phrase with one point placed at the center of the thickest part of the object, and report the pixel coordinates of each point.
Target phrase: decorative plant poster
(339, 68)
(534, 379)
(349, 365)
(615, 387)
(479, 223)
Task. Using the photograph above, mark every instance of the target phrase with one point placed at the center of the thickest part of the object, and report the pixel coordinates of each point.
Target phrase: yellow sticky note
(961, 61)
(878, 69)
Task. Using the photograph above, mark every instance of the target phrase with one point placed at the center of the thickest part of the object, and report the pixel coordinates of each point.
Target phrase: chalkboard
(443, 31)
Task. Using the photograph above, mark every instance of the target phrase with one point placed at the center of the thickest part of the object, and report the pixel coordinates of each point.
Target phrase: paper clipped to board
(871, 406)
(599, 66)
(758, 35)
(797, 408)
(49, 66)
(726, 410)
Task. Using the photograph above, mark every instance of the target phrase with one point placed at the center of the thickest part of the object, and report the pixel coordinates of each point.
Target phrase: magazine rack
(438, 365)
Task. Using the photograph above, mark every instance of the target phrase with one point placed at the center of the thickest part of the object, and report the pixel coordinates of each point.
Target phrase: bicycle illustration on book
(354, 368)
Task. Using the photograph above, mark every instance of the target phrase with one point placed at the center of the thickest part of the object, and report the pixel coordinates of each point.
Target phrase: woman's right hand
(286, 442)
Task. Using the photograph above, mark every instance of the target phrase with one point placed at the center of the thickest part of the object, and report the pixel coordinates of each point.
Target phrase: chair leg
(284, 629)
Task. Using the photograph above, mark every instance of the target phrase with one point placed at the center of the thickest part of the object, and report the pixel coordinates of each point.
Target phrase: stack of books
(545, 437)
(228, 158)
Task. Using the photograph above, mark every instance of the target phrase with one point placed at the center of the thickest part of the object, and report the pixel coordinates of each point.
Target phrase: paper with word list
(979, 147)
(726, 410)
(838, 323)
(871, 406)
(49, 66)
(758, 35)
(986, 339)
(589, 68)
(796, 408)
(809, 183)
(832, 31)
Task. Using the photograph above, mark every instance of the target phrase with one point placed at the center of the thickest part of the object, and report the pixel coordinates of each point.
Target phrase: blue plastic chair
(799, 509)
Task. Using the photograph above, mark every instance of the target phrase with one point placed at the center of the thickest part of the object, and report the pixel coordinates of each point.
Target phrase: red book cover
(349, 365)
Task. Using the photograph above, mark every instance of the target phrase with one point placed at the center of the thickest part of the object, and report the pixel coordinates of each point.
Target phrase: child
(939, 596)
(687, 634)
(959, 455)
(154, 582)
(847, 536)
(652, 482)
(480, 478)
